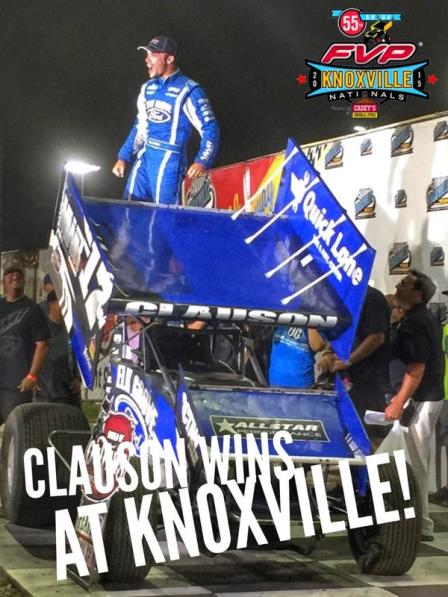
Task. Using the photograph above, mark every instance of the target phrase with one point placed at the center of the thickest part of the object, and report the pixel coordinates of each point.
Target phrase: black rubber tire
(117, 541)
(28, 426)
(389, 549)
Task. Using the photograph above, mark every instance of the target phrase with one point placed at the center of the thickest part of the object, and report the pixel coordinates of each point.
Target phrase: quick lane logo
(334, 156)
(440, 132)
(437, 194)
(365, 203)
(402, 141)
(400, 199)
(400, 259)
(376, 70)
(332, 245)
(300, 429)
(437, 256)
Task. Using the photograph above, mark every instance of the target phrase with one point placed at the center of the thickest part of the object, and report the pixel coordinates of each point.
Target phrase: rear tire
(29, 426)
(389, 549)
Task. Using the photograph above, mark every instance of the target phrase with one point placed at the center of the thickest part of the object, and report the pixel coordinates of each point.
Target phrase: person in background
(47, 287)
(24, 340)
(47, 284)
(418, 344)
(397, 368)
(441, 495)
(59, 380)
(292, 356)
(169, 106)
(368, 366)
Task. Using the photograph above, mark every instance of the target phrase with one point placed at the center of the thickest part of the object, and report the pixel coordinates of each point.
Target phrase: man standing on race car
(169, 105)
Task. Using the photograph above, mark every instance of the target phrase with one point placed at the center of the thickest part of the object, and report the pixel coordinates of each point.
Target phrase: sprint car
(129, 277)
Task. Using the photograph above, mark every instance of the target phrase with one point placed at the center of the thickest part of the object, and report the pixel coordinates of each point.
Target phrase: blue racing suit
(167, 111)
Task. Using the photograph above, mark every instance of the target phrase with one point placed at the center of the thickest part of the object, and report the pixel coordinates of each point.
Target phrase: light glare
(78, 167)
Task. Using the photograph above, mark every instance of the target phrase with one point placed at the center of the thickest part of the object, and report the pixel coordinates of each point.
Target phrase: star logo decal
(432, 79)
(225, 427)
(301, 79)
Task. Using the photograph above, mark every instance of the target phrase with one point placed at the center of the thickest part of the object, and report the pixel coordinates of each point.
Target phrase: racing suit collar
(163, 81)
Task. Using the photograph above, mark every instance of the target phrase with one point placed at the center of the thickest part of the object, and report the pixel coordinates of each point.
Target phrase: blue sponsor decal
(399, 258)
(366, 146)
(402, 140)
(440, 131)
(437, 194)
(365, 204)
(334, 156)
(437, 256)
(330, 240)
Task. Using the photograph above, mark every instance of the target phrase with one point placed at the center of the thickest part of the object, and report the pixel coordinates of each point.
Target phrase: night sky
(70, 74)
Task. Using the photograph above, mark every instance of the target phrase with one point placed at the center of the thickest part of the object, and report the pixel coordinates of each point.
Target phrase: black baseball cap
(12, 269)
(161, 43)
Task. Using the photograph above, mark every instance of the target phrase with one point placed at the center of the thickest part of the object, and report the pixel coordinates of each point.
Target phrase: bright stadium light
(78, 167)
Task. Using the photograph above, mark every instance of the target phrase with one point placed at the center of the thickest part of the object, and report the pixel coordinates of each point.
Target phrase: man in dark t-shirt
(368, 365)
(24, 336)
(418, 343)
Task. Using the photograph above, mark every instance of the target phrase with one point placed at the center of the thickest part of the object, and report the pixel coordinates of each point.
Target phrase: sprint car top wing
(307, 265)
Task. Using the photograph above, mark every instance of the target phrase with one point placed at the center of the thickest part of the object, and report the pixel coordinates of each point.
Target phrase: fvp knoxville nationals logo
(368, 71)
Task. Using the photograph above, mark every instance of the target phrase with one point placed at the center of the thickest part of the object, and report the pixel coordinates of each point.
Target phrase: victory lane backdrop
(71, 74)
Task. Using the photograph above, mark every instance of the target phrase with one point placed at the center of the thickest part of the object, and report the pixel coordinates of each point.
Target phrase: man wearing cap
(24, 339)
(168, 106)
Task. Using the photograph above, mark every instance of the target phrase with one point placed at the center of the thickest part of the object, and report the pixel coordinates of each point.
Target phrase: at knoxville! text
(231, 476)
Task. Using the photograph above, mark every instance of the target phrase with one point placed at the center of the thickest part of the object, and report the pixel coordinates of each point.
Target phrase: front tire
(389, 549)
(117, 541)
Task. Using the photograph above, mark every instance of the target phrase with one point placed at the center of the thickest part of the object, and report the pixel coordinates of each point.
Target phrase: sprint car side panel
(322, 425)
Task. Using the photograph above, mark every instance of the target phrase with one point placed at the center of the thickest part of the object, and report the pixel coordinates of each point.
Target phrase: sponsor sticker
(400, 199)
(365, 203)
(402, 141)
(365, 108)
(334, 156)
(437, 194)
(400, 259)
(300, 429)
(366, 147)
(201, 192)
(437, 256)
(157, 115)
(440, 131)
